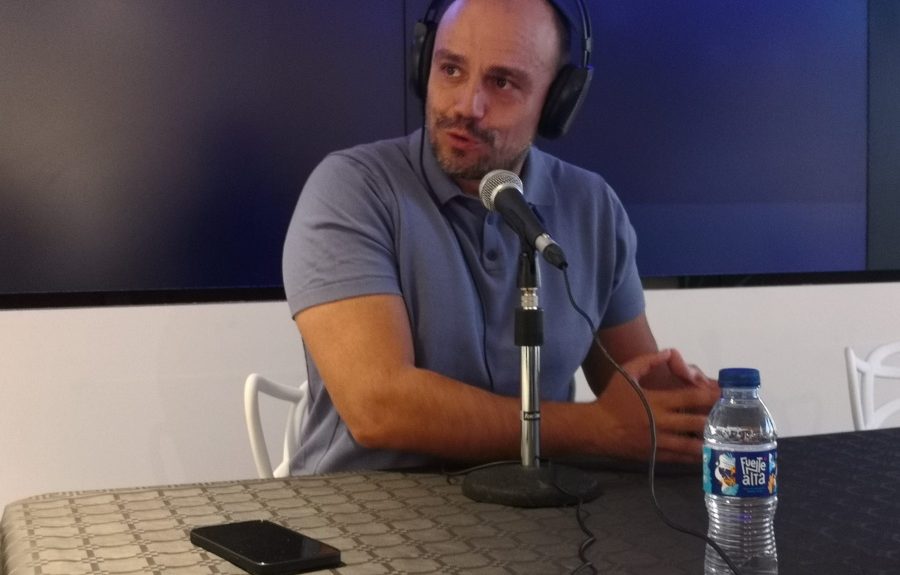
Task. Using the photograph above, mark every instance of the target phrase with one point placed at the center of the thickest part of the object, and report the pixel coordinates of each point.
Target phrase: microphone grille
(494, 182)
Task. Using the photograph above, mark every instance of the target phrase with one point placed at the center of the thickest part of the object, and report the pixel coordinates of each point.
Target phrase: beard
(455, 163)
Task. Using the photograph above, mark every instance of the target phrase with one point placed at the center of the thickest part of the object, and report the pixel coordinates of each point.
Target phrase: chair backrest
(298, 398)
(862, 374)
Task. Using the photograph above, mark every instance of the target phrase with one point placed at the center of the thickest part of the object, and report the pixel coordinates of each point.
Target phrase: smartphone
(264, 548)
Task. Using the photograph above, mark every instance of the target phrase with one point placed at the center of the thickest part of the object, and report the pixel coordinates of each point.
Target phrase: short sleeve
(339, 243)
(627, 297)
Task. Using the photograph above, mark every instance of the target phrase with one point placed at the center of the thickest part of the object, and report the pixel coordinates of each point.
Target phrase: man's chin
(459, 170)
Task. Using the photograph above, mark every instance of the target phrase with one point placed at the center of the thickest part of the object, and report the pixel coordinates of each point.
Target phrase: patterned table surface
(383, 522)
(839, 512)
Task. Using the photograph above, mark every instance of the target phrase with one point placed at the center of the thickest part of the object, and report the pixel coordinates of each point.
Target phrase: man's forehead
(540, 15)
(512, 33)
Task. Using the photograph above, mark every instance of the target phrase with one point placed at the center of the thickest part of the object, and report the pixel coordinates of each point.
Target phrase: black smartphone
(264, 548)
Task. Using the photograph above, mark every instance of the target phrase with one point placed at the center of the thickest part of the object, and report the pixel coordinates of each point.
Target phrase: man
(403, 286)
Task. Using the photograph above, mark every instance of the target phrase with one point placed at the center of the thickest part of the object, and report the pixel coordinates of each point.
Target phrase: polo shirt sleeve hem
(310, 297)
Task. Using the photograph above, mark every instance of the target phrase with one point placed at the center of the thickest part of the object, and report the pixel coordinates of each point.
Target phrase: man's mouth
(462, 138)
(463, 132)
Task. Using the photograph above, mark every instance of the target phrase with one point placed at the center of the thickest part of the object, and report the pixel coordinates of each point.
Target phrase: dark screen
(161, 145)
(734, 132)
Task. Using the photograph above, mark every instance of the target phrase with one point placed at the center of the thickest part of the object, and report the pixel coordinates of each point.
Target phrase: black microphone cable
(581, 514)
(441, 208)
(653, 439)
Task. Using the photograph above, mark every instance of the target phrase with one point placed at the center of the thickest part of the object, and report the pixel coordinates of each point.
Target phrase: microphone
(501, 191)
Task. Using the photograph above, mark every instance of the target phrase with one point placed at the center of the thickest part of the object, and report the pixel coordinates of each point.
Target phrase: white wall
(122, 396)
(794, 335)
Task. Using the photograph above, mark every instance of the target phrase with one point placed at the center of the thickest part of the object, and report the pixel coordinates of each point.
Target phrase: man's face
(493, 63)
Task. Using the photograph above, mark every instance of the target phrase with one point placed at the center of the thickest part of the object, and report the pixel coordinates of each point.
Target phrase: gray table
(839, 512)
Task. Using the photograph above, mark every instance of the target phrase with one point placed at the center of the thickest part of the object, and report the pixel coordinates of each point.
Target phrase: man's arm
(363, 349)
(680, 395)
(624, 343)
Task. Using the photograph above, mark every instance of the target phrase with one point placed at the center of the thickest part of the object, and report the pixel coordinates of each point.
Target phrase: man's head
(492, 66)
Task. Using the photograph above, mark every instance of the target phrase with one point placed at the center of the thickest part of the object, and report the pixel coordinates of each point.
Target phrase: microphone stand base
(515, 485)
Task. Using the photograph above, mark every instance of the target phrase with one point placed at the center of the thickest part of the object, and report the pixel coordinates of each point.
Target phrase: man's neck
(469, 187)
(473, 187)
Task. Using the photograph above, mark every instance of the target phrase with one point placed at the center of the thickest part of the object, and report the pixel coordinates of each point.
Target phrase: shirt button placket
(490, 254)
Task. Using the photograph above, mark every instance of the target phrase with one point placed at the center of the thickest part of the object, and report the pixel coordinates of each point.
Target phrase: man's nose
(471, 101)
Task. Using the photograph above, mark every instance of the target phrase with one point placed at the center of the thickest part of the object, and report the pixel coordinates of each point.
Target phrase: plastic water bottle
(739, 477)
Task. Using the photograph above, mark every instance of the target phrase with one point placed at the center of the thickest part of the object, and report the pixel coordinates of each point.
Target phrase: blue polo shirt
(370, 221)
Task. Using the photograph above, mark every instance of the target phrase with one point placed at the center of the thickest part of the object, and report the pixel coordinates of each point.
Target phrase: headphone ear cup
(420, 58)
(564, 98)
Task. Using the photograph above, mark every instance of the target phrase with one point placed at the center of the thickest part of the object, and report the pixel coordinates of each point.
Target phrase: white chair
(298, 398)
(861, 377)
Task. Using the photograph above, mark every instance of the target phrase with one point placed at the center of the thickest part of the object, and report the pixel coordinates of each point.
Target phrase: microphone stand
(533, 483)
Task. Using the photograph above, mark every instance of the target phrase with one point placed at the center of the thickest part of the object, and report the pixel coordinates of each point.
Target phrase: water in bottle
(739, 477)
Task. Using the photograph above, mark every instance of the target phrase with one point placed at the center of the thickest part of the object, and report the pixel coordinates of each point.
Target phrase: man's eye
(450, 70)
(503, 83)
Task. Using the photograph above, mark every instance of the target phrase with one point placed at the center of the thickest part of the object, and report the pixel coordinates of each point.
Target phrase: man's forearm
(424, 412)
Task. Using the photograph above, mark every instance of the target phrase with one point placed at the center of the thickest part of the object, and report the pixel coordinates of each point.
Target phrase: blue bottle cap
(739, 377)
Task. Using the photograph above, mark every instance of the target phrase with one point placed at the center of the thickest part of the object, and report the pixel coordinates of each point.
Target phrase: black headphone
(566, 93)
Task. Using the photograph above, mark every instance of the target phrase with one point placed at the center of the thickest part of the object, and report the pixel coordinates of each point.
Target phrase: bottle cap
(738, 377)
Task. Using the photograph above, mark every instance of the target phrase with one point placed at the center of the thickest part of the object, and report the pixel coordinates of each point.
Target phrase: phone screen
(265, 548)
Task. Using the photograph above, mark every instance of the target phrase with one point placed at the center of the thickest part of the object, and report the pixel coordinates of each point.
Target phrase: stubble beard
(454, 162)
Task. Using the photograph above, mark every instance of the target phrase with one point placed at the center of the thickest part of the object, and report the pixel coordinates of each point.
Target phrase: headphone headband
(566, 93)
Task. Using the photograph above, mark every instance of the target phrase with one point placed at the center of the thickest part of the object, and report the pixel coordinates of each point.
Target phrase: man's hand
(680, 412)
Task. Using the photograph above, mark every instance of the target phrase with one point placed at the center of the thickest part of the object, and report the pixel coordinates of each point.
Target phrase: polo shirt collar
(536, 180)
(540, 189)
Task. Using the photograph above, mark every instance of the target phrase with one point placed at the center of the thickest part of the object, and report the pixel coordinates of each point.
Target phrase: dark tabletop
(838, 504)
(838, 512)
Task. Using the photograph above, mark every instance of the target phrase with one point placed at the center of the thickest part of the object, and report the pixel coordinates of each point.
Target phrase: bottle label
(739, 473)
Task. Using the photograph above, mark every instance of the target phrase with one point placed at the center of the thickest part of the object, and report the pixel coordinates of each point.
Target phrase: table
(839, 512)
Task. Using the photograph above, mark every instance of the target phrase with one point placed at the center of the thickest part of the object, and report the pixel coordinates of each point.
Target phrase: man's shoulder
(387, 153)
(381, 170)
(579, 186)
(559, 168)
